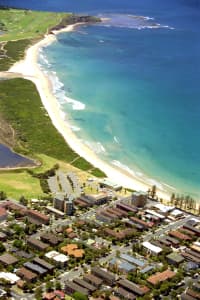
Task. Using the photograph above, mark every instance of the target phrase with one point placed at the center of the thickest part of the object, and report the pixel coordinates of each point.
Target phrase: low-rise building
(26, 274)
(43, 263)
(175, 258)
(8, 259)
(179, 235)
(37, 217)
(152, 248)
(37, 244)
(10, 277)
(35, 268)
(72, 250)
(106, 276)
(59, 258)
(71, 288)
(91, 288)
(3, 214)
(137, 262)
(51, 238)
(92, 279)
(133, 288)
(118, 265)
(161, 276)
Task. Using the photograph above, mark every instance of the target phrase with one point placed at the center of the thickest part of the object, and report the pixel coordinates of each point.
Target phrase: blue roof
(122, 264)
(135, 261)
(147, 269)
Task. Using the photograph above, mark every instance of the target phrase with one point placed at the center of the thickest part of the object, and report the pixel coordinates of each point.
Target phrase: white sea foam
(131, 22)
(96, 147)
(123, 167)
(116, 140)
(76, 105)
(75, 128)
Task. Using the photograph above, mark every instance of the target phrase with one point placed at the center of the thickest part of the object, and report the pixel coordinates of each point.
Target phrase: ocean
(129, 87)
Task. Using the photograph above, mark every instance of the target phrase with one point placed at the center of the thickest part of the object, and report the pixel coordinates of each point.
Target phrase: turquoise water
(140, 88)
(138, 98)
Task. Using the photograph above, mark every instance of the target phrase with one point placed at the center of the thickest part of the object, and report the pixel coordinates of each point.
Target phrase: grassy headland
(20, 103)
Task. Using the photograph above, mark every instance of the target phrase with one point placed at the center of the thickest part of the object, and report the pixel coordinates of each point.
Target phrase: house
(51, 238)
(106, 276)
(60, 259)
(26, 275)
(124, 294)
(92, 279)
(120, 265)
(43, 263)
(133, 288)
(35, 268)
(71, 288)
(192, 228)
(37, 244)
(85, 284)
(161, 276)
(145, 225)
(126, 207)
(3, 214)
(152, 248)
(72, 250)
(179, 235)
(10, 277)
(8, 259)
(137, 262)
(175, 258)
(37, 217)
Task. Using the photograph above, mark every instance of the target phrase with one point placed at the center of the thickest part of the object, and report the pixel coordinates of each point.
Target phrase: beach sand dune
(29, 69)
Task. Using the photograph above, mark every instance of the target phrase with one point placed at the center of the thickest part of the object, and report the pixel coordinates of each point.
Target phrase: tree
(3, 195)
(38, 293)
(2, 248)
(79, 296)
(23, 200)
(153, 191)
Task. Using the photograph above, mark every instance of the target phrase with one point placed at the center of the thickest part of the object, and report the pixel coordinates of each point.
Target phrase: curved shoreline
(29, 69)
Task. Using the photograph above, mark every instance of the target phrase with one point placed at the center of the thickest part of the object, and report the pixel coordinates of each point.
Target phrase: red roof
(3, 212)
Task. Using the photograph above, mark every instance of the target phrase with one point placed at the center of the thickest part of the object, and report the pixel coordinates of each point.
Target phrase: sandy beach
(29, 69)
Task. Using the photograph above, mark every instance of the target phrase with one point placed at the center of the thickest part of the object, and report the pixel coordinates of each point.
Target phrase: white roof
(51, 254)
(12, 278)
(163, 208)
(152, 247)
(197, 244)
(176, 212)
(61, 258)
(154, 213)
(57, 256)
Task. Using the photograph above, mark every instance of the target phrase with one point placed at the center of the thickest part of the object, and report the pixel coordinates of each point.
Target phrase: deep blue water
(11, 159)
(140, 88)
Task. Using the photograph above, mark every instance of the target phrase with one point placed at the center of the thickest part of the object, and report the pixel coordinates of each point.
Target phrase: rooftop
(8, 259)
(161, 276)
(152, 247)
(12, 278)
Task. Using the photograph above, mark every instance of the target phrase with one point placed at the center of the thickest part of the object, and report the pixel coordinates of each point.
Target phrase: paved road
(163, 230)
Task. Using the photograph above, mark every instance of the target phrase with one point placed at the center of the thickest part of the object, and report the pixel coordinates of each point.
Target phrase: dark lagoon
(11, 159)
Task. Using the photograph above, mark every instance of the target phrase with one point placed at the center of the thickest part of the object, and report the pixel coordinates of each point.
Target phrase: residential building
(85, 284)
(26, 275)
(8, 259)
(37, 217)
(175, 258)
(3, 214)
(51, 238)
(43, 263)
(161, 276)
(37, 244)
(92, 279)
(106, 276)
(35, 268)
(71, 288)
(152, 248)
(10, 277)
(133, 288)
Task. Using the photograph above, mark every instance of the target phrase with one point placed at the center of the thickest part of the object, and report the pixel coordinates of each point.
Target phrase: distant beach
(29, 69)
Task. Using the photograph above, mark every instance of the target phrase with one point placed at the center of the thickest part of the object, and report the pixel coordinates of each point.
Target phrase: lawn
(18, 183)
(26, 24)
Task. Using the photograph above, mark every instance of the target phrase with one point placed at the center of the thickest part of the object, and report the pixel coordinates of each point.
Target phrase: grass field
(26, 24)
(21, 107)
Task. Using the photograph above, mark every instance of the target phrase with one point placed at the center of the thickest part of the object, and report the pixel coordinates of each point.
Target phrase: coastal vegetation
(21, 109)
